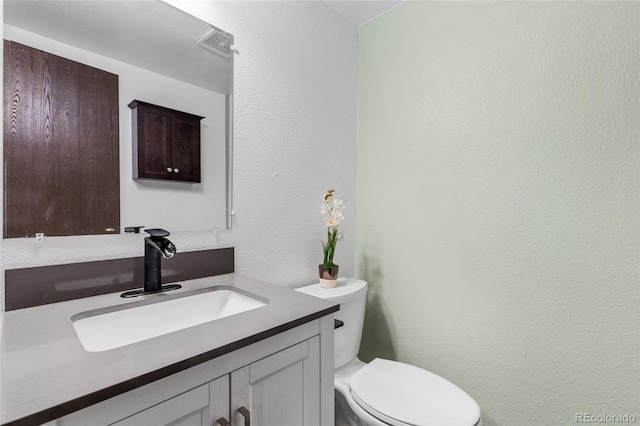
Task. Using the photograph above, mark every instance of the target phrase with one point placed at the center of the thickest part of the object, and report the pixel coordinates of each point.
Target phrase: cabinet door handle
(223, 422)
(247, 416)
(176, 171)
(169, 169)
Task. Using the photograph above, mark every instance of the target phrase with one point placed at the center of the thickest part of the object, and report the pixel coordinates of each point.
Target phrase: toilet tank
(351, 294)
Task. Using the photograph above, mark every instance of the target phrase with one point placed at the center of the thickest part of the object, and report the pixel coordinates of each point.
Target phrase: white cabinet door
(282, 389)
(219, 405)
(188, 409)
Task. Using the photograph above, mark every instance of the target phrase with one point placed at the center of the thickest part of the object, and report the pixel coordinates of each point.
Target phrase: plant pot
(328, 276)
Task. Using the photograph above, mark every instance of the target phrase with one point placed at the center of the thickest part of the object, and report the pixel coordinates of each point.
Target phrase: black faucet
(156, 246)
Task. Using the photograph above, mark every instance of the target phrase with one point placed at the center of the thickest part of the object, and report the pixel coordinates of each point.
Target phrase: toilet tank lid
(346, 289)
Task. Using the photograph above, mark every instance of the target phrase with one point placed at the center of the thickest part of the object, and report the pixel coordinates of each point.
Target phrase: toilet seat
(401, 395)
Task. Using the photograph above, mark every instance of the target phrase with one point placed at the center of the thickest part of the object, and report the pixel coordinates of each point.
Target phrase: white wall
(295, 132)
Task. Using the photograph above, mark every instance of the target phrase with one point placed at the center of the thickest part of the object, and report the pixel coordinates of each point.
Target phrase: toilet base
(344, 415)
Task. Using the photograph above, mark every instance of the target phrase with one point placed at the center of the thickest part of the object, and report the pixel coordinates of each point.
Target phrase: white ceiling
(148, 34)
(361, 11)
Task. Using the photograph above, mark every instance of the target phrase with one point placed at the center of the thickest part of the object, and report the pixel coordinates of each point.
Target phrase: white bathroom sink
(117, 326)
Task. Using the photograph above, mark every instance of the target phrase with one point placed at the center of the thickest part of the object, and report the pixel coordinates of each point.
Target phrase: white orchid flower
(331, 222)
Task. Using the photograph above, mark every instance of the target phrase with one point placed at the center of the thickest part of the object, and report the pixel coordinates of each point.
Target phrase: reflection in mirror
(153, 49)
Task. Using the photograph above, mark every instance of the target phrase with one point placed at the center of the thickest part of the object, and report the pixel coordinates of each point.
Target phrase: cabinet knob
(169, 169)
(176, 171)
(223, 422)
(247, 416)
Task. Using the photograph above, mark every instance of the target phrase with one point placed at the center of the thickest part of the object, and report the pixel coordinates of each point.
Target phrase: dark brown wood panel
(154, 137)
(107, 193)
(66, 217)
(60, 146)
(88, 154)
(18, 171)
(110, 130)
(185, 132)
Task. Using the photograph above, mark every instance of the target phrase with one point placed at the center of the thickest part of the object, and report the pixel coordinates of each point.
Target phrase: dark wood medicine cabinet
(166, 143)
(61, 143)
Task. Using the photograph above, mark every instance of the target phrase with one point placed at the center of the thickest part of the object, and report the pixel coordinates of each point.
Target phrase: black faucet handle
(157, 232)
(134, 229)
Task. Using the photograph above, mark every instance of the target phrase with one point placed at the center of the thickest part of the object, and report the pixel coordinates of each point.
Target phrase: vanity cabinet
(166, 143)
(281, 389)
(273, 382)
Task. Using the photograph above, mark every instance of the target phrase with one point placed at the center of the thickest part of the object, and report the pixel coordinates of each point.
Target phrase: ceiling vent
(218, 41)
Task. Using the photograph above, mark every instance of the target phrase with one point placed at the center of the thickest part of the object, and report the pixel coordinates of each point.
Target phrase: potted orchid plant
(332, 209)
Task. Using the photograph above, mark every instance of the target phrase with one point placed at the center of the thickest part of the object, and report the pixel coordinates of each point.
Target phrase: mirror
(153, 48)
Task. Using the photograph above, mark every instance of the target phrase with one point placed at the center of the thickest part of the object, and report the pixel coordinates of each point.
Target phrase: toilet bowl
(386, 392)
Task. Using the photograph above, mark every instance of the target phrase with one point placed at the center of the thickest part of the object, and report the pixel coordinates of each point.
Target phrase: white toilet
(386, 392)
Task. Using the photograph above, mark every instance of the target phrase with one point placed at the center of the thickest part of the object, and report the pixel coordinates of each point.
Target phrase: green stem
(324, 251)
(332, 245)
(329, 248)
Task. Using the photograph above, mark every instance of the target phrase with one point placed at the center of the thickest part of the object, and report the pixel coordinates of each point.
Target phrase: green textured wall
(498, 201)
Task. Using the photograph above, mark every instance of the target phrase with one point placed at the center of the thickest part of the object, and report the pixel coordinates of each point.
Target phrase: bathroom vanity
(272, 365)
